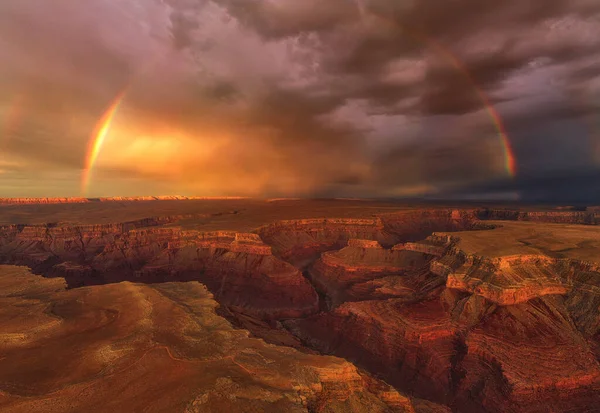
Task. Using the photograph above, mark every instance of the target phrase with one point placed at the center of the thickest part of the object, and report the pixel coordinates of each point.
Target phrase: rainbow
(510, 162)
(97, 140)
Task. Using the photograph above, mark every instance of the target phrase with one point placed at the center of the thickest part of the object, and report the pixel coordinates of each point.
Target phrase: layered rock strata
(302, 241)
(589, 217)
(238, 268)
(509, 280)
(132, 347)
(511, 334)
(80, 200)
(365, 270)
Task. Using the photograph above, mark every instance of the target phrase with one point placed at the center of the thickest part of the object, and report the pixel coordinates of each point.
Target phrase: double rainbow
(103, 126)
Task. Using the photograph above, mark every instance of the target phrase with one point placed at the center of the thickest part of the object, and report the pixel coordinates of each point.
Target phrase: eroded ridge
(504, 334)
(364, 270)
(132, 347)
(394, 294)
(509, 280)
(302, 241)
(239, 268)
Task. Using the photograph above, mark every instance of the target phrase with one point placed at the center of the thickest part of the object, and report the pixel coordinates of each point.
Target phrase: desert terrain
(248, 305)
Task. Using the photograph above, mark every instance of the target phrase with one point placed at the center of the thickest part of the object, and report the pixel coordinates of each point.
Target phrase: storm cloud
(300, 98)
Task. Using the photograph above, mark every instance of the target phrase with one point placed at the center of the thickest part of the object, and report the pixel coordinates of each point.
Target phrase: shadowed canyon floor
(315, 306)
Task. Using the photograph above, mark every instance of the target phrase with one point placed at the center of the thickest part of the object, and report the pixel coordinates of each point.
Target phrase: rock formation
(393, 294)
(364, 268)
(590, 217)
(132, 347)
(302, 241)
(239, 268)
(508, 280)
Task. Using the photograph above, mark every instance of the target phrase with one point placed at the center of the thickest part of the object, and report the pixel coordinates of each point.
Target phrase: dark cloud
(276, 20)
(549, 114)
(457, 19)
(391, 30)
(301, 97)
(580, 186)
(458, 89)
(440, 164)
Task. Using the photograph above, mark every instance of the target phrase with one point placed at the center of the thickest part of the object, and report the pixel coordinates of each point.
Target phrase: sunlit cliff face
(286, 98)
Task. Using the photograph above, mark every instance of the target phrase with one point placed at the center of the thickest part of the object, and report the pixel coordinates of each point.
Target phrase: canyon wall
(394, 294)
(239, 268)
(81, 200)
(160, 348)
(590, 217)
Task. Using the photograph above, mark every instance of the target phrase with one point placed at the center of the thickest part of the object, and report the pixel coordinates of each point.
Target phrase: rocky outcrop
(527, 357)
(508, 280)
(411, 345)
(365, 267)
(302, 241)
(436, 245)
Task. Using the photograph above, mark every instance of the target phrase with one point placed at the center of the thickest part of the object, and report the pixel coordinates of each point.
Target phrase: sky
(311, 98)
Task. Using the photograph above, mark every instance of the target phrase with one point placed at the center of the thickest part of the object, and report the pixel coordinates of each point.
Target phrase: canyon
(292, 305)
(82, 200)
